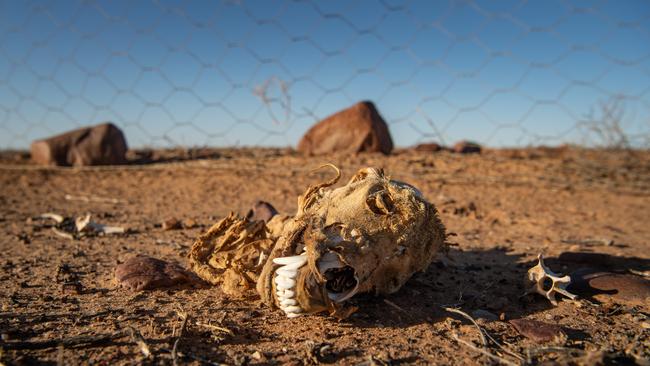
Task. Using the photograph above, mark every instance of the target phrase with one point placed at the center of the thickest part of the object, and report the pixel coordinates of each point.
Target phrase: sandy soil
(506, 207)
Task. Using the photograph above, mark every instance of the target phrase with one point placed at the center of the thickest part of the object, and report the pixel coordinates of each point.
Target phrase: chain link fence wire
(260, 73)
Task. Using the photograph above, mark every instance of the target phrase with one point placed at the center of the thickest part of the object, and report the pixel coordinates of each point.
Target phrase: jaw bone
(285, 281)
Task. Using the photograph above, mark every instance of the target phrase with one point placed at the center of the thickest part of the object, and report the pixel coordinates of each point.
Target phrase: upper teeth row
(285, 283)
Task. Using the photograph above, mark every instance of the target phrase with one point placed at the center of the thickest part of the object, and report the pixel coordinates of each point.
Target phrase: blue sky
(262, 72)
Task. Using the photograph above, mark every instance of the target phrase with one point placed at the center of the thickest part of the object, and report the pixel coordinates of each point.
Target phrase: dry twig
(185, 318)
(194, 357)
(139, 340)
(468, 317)
(484, 334)
(397, 307)
(215, 327)
(483, 351)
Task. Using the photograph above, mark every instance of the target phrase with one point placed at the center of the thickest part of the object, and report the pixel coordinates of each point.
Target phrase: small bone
(86, 224)
(537, 276)
(52, 216)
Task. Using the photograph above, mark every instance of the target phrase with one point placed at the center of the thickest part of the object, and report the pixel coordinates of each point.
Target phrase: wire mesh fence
(190, 73)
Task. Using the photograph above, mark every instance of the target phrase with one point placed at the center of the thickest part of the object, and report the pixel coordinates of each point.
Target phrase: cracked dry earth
(61, 304)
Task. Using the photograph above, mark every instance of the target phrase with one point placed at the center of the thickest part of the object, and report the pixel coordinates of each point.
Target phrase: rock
(172, 224)
(359, 128)
(607, 286)
(146, 273)
(103, 144)
(467, 147)
(537, 331)
(429, 147)
(189, 224)
(261, 210)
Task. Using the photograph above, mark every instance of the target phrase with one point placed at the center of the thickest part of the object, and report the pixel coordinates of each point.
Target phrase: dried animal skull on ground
(370, 235)
(547, 283)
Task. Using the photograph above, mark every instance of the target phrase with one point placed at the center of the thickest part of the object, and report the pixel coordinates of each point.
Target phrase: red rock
(146, 273)
(605, 286)
(172, 224)
(537, 331)
(467, 147)
(102, 144)
(359, 128)
(429, 147)
(261, 210)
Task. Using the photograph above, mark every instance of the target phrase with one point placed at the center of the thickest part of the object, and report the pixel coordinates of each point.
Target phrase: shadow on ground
(476, 280)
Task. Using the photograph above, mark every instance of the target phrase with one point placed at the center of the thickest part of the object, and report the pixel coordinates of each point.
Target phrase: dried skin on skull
(370, 235)
(231, 254)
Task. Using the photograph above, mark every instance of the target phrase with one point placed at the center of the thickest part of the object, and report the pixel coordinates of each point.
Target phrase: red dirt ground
(505, 206)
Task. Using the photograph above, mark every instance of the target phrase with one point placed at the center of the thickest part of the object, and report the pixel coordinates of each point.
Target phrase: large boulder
(359, 128)
(467, 147)
(102, 144)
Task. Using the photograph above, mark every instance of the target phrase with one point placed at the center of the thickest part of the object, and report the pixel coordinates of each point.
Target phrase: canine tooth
(288, 302)
(327, 261)
(284, 282)
(290, 260)
(292, 309)
(294, 266)
(293, 315)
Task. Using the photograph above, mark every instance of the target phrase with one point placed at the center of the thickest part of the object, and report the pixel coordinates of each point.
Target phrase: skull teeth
(291, 260)
(288, 273)
(285, 283)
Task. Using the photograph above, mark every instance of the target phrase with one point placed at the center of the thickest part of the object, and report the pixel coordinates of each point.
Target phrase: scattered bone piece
(52, 216)
(540, 275)
(98, 199)
(109, 229)
(83, 225)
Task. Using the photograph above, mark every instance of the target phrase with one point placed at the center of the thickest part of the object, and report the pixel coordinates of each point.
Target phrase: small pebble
(172, 224)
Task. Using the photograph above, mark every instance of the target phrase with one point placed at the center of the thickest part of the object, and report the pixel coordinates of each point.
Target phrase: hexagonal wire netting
(196, 73)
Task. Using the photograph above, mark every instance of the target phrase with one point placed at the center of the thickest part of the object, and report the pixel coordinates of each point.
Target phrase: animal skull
(547, 283)
(370, 235)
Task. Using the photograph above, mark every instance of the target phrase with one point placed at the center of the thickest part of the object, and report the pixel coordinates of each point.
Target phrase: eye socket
(380, 203)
